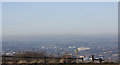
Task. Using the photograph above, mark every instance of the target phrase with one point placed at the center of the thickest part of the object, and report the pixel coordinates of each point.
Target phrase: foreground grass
(56, 64)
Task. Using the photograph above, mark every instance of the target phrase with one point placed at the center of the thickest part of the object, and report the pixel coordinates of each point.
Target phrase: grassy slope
(59, 64)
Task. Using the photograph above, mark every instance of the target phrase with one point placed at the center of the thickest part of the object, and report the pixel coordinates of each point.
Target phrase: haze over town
(57, 28)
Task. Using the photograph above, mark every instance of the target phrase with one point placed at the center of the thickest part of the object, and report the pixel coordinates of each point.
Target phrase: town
(50, 48)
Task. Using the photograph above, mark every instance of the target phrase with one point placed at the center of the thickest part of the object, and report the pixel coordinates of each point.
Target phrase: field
(57, 64)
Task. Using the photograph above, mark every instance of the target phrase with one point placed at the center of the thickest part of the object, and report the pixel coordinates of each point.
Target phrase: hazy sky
(59, 18)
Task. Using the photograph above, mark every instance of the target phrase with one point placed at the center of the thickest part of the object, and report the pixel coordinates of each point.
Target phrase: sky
(59, 18)
(0, 22)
